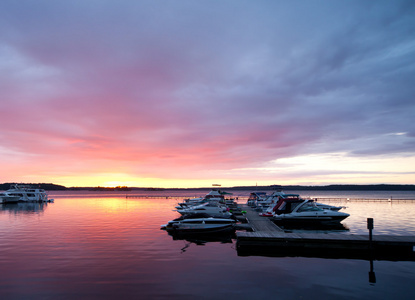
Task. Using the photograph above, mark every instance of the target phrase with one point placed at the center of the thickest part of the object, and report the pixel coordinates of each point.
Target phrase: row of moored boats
(208, 214)
(213, 213)
(24, 193)
(292, 209)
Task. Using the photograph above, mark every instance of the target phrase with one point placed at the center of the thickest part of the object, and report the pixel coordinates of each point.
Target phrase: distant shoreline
(332, 187)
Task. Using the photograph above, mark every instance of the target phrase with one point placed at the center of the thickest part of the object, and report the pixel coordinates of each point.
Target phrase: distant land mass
(45, 186)
(332, 187)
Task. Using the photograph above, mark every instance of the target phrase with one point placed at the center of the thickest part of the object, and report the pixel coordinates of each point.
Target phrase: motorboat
(256, 197)
(269, 204)
(262, 201)
(326, 206)
(277, 199)
(199, 224)
(297, 210)
(212, 209)
(212, 196)
(25, 193)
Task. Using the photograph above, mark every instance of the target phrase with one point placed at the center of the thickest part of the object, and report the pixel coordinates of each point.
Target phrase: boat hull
(9, 199)
(200, 225)
(199, 229)
(314, 220)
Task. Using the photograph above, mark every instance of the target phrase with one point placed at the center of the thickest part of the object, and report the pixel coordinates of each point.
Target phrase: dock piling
(370, 227)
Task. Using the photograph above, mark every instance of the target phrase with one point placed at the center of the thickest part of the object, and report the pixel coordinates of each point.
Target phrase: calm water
(104, 246)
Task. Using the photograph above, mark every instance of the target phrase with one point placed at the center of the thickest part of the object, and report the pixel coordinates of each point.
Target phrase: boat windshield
(308, 206)
(286, 207)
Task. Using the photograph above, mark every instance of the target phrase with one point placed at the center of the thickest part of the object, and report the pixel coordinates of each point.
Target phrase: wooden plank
(257, 222)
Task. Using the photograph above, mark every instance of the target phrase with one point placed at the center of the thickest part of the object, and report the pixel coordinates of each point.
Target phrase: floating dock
(267, 239)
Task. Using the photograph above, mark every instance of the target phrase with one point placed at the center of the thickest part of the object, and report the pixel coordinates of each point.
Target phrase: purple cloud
(155, 86)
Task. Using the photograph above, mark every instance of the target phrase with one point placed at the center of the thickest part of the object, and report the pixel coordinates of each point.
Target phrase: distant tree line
(333, 187)
(338, 187)
(45, 186)
(117, 188)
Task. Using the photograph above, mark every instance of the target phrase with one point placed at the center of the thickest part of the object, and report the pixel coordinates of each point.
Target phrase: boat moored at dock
(297, 210)
(213, 209)
(200, 224)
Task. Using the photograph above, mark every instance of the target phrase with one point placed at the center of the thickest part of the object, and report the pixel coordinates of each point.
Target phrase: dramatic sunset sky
(188, 93)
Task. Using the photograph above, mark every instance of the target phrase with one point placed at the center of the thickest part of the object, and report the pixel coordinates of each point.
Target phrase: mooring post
(372, 276)
(370, 227)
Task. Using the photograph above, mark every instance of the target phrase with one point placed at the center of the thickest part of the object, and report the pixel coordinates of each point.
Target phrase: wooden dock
(258, 223)
(269, 240)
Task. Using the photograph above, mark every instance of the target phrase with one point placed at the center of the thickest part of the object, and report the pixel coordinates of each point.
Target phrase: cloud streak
(160, 89)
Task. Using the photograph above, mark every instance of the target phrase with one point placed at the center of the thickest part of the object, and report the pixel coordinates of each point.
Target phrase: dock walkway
(258, 223)
(268, 239)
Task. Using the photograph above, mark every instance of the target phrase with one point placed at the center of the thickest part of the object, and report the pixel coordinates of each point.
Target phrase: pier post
(370, 227)
(372, 276)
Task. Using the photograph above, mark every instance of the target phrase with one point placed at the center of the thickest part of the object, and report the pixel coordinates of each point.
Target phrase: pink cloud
(158, 93)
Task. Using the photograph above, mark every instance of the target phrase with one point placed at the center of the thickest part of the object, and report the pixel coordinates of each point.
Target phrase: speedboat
(263, 202)
(297, 210)
(212, 196)
(330, 207)
(199, 224)
(26, 193)
(255, 197)
(212, 209)
(269, 204)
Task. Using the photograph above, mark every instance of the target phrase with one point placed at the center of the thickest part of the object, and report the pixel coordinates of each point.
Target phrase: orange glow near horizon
(335, 168)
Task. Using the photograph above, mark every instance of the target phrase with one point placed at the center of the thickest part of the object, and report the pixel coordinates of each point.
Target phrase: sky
(189, 93)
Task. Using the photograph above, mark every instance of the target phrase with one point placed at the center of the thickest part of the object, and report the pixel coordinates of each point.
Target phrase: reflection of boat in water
(196, 223)
(203, 238)
(24, 207)
(25, 194)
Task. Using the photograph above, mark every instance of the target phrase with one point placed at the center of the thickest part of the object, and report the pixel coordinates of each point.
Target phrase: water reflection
(201, 239)
(382, 252)
(113, 248)
(24, 207)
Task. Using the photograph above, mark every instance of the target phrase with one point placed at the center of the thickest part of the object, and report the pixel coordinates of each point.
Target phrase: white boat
(5, 198)
(212, 196)
(297, 210)
(266, 206)
(270, 201)
(212, 209)
(196, 224)
(25, 193)
(330, 207)
(255, 197)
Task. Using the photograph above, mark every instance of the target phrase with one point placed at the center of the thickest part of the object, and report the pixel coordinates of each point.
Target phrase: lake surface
(107, 246)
